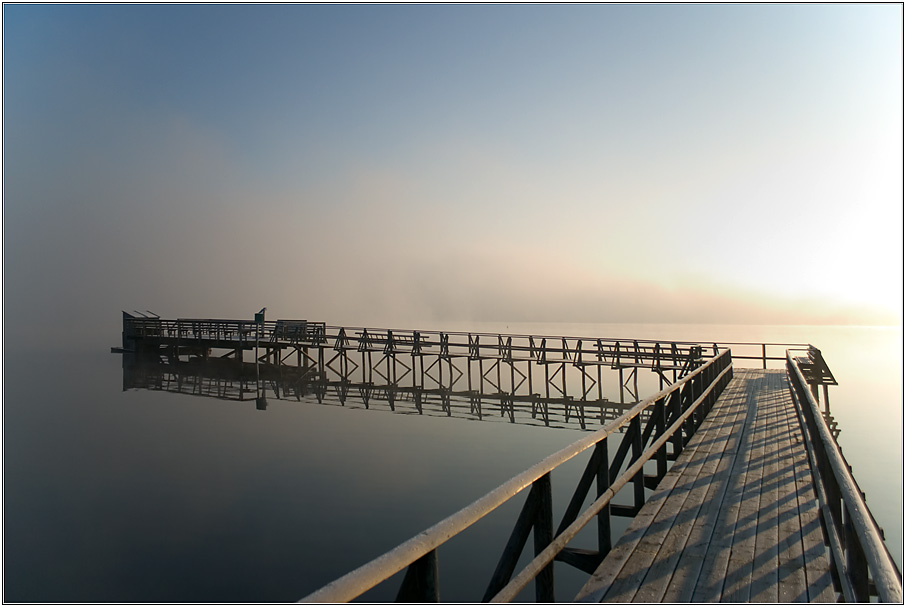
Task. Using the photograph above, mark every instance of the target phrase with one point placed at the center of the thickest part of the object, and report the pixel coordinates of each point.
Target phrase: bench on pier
(296, 331)
(815, 369)
(208, 328)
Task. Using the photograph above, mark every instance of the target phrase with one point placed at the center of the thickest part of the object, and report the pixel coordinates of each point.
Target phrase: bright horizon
(369, 165)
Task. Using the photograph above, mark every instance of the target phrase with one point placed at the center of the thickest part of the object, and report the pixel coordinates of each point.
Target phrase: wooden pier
(752, 499)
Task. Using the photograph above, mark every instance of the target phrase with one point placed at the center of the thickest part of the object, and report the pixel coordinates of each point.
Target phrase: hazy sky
(385, 164)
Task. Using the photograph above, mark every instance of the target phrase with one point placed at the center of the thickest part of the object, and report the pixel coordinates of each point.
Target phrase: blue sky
(371, 164)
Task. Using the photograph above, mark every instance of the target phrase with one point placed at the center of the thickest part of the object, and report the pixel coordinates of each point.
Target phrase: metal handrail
(702, 386)
(859, 557)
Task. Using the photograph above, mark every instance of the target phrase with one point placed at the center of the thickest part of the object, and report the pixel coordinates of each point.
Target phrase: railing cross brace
(537, 516)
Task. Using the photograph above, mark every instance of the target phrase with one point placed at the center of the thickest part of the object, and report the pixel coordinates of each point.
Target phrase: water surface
(144, 496)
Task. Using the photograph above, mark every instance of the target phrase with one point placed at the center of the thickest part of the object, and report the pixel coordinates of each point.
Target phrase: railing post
(686, 400)
(421, 582)
(856, 565)
(674, 401)
(544, 535)
(635, 426)
(697, 389)
(602, 484)
(660, 413)
(536, 516)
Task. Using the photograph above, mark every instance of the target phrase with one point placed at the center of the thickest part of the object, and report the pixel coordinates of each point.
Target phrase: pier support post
(544, 535)
(421, 584)
(602, 483)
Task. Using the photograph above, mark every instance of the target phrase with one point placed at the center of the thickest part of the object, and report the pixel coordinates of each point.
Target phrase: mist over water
(150, 496)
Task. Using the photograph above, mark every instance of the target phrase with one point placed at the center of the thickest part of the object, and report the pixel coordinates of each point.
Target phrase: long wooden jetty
(736, 487)
(565, 369)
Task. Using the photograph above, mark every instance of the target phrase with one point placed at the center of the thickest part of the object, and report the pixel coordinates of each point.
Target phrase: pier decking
(735, 519)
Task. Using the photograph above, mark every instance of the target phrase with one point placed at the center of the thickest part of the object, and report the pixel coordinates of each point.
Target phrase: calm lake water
(143, 496)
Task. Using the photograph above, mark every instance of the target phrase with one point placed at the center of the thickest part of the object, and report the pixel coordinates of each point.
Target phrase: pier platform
(735, 519)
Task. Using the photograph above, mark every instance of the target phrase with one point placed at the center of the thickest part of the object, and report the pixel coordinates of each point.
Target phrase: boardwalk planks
(735, 520)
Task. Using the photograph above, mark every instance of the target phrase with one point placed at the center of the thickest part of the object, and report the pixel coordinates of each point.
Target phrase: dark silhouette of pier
(752, 498)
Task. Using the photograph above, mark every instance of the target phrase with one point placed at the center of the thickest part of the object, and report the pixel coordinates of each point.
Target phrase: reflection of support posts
(475, 405)
(563, 378)
(539, 405)
(417, 397)
(634, 391)
(507, 406)
(469, 374)
(580, 410)
(342, 392)
(445, 402)
(452, 379)
(512, 377)
(598, 383)
(497, 364)
(494, 364)
(440, 370)
(547, 382)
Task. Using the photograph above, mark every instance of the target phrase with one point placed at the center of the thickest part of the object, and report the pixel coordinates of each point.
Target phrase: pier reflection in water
(438, 372)
(232, 380)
